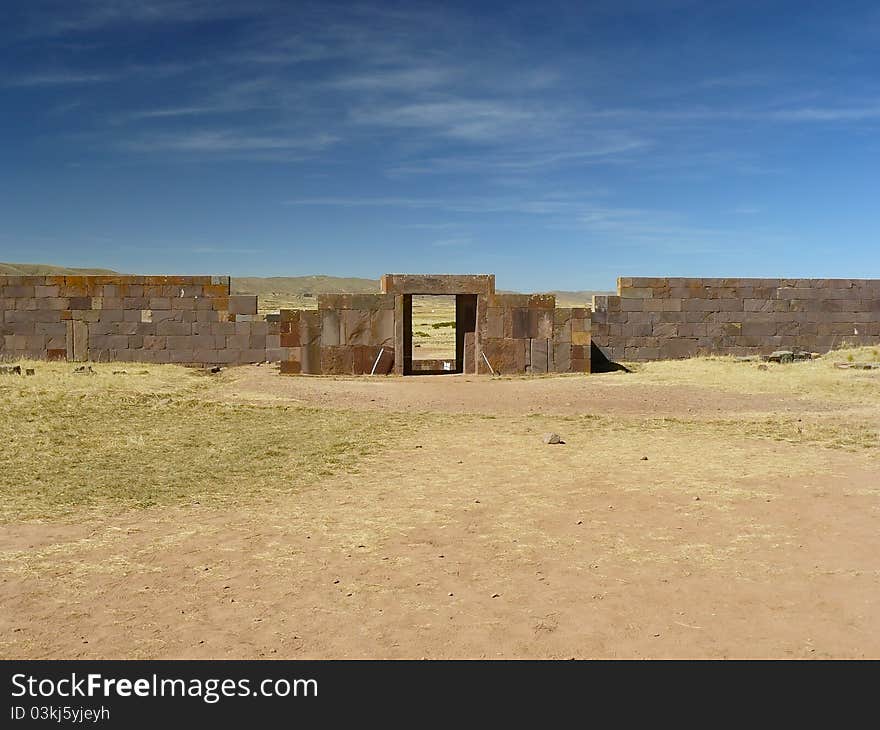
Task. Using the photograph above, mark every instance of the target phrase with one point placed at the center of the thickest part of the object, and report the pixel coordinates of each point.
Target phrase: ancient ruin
(494, 333)
(196, 320)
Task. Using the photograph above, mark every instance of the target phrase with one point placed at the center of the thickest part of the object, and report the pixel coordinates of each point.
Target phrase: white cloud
(59, 78)
(453, 242)
(460, 118)
(230, 141)
(396, 80)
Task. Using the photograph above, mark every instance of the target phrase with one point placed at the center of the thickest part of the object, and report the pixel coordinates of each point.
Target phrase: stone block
(260, 328)
(759, 328)
(77, 340)
(628, 304)
(154, 342)
(678, 348)
(508, 355)
(110, 315)
(382, 327)
(509, 301)
(661, 305)
(583, 338)
(561, 357)
(107, 342)
(173, 327)
(562, 331)
(222, 328)
(541, 323)
(331, 328)
(539, 357)
(356, 301)
(561, 315)
(355, 326)
(80, 302)
(468, 364)
(438, 284)
(309, 328)
(337, 360)
(14, 342)
(636, 292)
(238, 342)
(183, 357)
(60, 303)
(384, 361)
(363, 358)
(27, 304)
(183, 303)
(290, 367)
(242, 304)
(517, 323)
(542, 301)
(18, 292)
(495, 322)
(310, 357)
(252, 355)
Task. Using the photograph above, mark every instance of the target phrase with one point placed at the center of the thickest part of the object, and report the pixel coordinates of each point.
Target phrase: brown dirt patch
(469, 537)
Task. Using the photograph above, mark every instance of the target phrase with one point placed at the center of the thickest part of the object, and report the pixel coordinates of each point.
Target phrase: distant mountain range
(46, 270)
(281, 291)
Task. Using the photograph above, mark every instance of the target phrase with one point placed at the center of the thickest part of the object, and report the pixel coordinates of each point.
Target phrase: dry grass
(287, 531)
(160, 435)
(151, 437)
(818, 378)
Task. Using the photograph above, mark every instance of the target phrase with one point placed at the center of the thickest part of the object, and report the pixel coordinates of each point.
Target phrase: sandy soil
(608, 393)
(475, 539)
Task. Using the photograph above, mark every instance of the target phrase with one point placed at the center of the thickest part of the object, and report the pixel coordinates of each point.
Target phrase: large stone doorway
(439, 333)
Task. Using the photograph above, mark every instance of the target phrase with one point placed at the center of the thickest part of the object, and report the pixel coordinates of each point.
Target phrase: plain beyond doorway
(437, 326)
(433, 333)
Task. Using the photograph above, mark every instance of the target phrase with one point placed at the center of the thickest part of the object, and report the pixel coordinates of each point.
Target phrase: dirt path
(609, 393)
(478, 540)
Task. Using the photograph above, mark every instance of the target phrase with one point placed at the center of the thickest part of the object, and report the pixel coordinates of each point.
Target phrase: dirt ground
(685, 515)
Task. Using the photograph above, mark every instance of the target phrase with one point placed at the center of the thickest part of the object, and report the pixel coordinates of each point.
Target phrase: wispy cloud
(841, 113)
(58, 78)
(397, 80)
(476, 120)
(633, 227)
(91, 15)
(169, 112)
(743, 79)
(383, 202)
(221, 250)
(453, 242)
(210, 141)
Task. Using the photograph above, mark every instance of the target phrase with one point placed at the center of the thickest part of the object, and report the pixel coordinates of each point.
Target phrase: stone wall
(524, 333)
(343, 337)
(351, 334)
(195, 320)
(661, 318)
(157, 319)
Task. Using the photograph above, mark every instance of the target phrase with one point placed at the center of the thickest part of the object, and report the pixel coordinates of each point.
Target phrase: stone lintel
(438, 284)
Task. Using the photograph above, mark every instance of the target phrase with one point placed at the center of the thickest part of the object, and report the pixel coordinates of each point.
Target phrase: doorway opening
(438, 333)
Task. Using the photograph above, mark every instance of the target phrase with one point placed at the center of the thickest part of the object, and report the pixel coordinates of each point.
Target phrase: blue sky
(558, 145)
